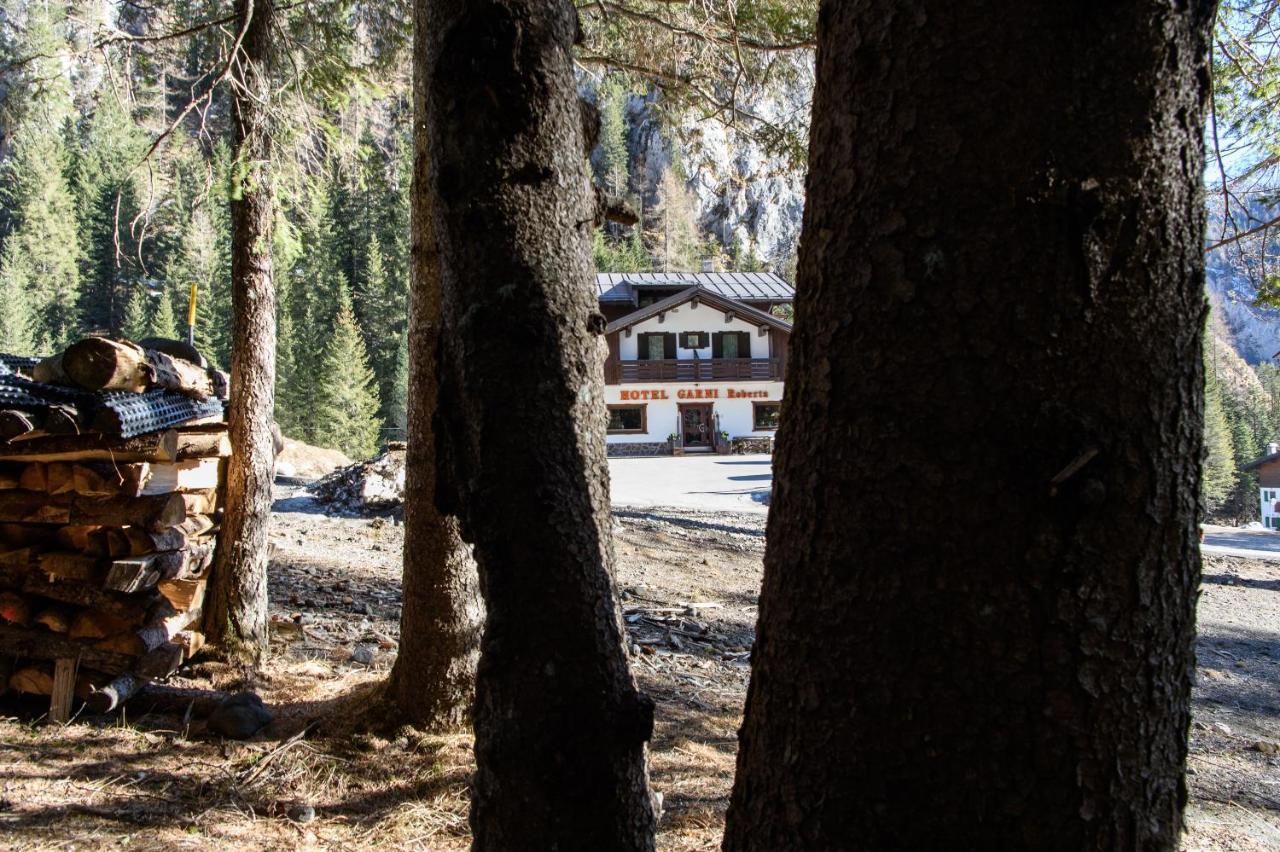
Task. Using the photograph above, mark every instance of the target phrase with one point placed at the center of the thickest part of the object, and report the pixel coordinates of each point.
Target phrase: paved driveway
(710, 483)
(1235, 541)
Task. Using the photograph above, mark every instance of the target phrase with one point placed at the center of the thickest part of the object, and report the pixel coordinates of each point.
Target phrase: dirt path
(689, 584)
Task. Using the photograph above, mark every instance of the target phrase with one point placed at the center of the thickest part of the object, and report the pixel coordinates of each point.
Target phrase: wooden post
(64, 689)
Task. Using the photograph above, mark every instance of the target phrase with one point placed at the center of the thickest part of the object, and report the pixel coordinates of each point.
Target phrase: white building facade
(694, 371)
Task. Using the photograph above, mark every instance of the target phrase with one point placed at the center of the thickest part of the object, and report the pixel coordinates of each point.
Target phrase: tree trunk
(433, 681)
(560, 726)
(977, 622)
(238, 598)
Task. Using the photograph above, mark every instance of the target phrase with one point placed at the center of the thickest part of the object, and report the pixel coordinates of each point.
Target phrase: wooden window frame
(684, 339)
(644, 419)
(755, 406)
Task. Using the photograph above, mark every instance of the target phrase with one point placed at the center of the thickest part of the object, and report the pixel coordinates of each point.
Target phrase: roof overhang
(741, 311)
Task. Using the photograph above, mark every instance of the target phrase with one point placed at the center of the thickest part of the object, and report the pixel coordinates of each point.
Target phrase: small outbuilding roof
(1256, 463)
(741, 286)
(755, 316)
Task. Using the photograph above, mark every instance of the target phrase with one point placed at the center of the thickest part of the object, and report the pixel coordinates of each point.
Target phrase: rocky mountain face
(1253, 330)
(747, 193)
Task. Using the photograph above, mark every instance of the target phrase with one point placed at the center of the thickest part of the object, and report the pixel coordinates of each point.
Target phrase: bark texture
(560, 727)
(237, 604)
(433, 682)
(976, 624)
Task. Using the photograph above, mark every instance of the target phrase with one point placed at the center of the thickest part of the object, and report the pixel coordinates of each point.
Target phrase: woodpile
(107, 534)
(373, 485)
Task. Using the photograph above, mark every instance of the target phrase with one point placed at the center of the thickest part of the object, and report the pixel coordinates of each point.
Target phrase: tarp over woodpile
(374, 485)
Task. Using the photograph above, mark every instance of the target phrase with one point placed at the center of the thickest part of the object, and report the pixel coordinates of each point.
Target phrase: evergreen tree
(346, 407)
(615, 166)
(133, 325)
(1219, 470)
(397, 405)
(40, 255)
(161, 322)
(15, 318)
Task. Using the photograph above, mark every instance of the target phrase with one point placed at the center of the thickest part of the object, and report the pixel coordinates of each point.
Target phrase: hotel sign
(694, 393)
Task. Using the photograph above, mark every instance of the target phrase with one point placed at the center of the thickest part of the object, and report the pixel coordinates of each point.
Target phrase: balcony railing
(702, 370)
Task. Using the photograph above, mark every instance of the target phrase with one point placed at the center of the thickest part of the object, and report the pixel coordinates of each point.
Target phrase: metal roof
(745, 312)
(739, 286)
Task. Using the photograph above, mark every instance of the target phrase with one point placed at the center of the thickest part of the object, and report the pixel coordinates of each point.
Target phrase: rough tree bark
(976, 624)
(433, 681)
(560, 727)
(237, 605)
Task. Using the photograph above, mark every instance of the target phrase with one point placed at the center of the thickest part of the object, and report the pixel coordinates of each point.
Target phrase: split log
(61, 420)
(153, 447)
(130, 575)
(15, 609)
(25, 535)
(139, 541)
(183, 595)
(201, 502)
(162, 630)
(201, 443)
(14, 424)
(136, 573)
(51, 646)
(76, 567)
(161, 662)
(21, 558)
(32, 681)
(97, 363)
(56, 618)
(76, 537)
(141, 479)
(34, 477)
(114, 694)
(155, 513)
(88, 624)
(96, 479)
(50, 371)
(131, 609)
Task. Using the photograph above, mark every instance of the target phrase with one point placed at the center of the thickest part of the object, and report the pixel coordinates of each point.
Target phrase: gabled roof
(1260, 462)
(742, 286)
(746, 313)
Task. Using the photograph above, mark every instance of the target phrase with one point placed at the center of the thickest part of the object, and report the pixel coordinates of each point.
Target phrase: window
(731, 344)
(693, 340)
(765, 415)
(656, 350)
(627, 418)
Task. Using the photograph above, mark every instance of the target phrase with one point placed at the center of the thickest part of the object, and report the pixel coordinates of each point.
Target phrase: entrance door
(696, 421)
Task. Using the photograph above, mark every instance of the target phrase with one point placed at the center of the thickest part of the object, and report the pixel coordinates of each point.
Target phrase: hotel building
(696, 360)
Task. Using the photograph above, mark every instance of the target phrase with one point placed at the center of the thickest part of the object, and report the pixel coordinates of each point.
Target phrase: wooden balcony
(701, 370)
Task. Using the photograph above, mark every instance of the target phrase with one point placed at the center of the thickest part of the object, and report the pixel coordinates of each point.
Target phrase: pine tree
(346, 406)
(161, 322)
(133, 325)
(615, 165)
(1219, 469)
(397, 405)
(15, 318)
(40, 251)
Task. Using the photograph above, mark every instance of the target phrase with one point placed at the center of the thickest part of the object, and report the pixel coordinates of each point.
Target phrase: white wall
(1269, 496)
(688, 318)
(736, 415)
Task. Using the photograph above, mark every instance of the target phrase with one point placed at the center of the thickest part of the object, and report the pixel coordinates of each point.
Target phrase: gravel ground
(689, 582)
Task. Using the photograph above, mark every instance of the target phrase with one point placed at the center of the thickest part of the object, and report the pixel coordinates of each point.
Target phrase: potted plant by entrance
(671, 445)
(722, 446)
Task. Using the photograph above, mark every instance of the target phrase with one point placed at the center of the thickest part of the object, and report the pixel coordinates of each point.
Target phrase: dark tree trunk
(237, 616)
(560, 727)
(976, 625)
(433, 682)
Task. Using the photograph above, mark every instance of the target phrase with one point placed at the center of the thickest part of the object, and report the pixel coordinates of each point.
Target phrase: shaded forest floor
(689, 581)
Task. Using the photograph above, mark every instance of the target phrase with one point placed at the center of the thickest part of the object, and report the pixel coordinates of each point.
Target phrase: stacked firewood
(107, 537)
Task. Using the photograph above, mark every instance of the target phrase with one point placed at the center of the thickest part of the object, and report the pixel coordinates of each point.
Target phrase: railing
(701, 370)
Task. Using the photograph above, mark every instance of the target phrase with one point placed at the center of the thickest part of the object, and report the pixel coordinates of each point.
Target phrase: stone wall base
(655, 448)
(750, 445)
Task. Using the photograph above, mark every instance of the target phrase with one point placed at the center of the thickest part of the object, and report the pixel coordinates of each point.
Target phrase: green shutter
(717, 344)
